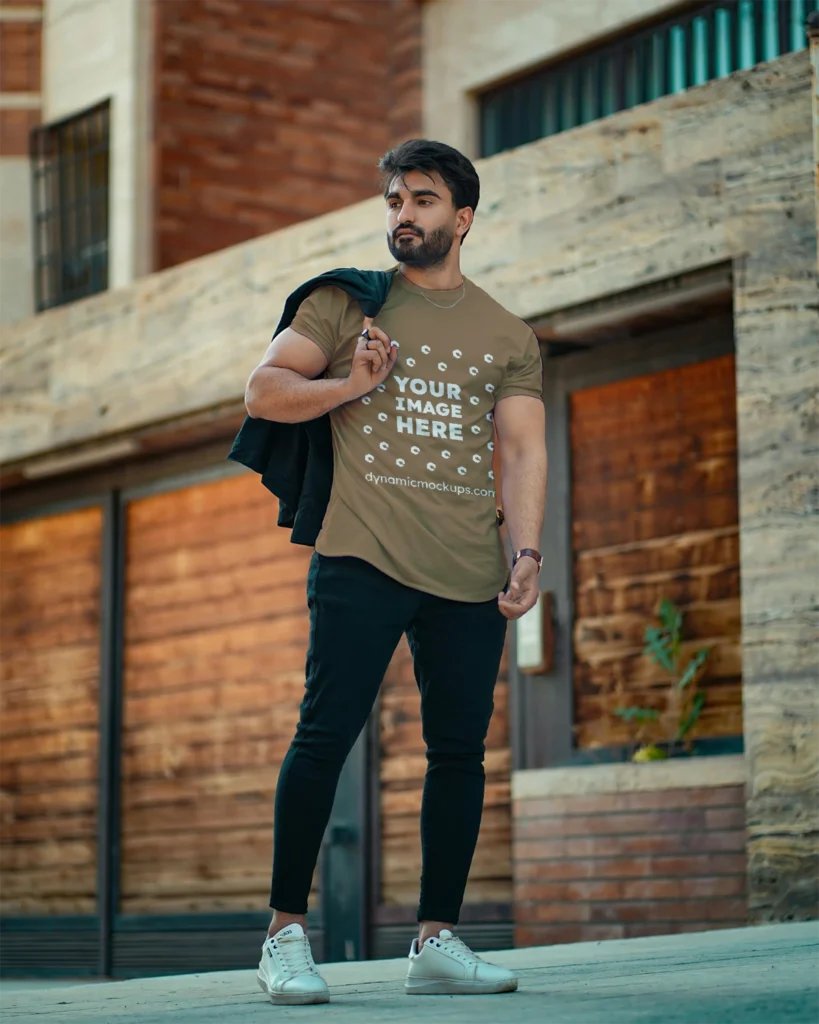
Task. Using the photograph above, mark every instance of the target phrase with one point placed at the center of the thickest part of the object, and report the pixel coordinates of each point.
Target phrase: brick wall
(268, 112)
(614, 865)
(20, 58)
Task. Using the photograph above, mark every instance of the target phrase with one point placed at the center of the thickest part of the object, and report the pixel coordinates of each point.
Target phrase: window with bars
(705, 43)
(69, 168)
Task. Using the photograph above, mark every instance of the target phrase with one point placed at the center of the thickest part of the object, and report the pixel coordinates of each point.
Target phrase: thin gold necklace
(454, 304)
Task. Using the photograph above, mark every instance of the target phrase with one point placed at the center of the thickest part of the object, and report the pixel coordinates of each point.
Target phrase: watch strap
(531, 553)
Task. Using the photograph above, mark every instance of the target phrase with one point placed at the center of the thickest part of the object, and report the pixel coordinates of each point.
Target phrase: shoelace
(459, 948)
(295, 955)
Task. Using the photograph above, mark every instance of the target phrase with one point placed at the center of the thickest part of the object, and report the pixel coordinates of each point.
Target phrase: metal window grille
(69, 168)
(708, 42)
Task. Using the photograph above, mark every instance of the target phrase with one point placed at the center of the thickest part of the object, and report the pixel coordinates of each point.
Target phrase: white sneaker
(287, 972)
(445, 965)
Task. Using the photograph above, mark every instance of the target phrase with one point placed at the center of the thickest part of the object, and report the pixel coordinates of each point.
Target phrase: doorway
(642, 506)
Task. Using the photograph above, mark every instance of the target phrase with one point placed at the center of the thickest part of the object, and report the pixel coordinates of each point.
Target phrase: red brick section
(268, 113)
(20, 59)
(616, 865)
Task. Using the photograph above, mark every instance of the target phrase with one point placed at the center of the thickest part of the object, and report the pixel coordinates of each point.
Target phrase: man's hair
(455, 169)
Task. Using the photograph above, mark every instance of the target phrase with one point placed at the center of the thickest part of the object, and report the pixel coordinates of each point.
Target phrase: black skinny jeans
(357, 617)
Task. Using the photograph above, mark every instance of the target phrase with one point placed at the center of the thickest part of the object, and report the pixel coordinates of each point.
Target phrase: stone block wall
(271, 113)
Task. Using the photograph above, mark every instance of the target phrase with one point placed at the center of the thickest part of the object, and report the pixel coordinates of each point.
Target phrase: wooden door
(215, 638)
(50, 572)
(654, 515)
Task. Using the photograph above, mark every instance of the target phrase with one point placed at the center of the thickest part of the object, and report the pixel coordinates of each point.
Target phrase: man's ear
(463, 220)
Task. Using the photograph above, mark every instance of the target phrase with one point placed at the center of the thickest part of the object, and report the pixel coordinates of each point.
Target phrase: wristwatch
(531, 553)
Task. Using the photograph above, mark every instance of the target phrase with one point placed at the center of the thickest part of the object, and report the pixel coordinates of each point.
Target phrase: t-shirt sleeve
(319, 318)
(524, 372)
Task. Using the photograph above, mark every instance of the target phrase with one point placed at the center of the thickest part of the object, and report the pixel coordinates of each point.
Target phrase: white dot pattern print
(410, 362)
(487, 359)
(383, 417)
(400, 463)
(491, 475)
(490, 388)
(474, 400)
(431, 467)
(491, 446)
(384, 446)
(476, 429)
(369, 458)
(442, 367)
(462, 470)
(368, 429)
(456, 353)
(426, 349)
(415, 450)
(476, 458)
(446, 455)
(382, 388)
(474, 371)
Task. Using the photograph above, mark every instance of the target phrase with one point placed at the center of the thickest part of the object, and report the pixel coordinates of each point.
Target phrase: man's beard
(432, 250)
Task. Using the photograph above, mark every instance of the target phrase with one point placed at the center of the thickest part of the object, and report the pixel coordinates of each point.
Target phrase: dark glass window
(706, 42)
(69, 167)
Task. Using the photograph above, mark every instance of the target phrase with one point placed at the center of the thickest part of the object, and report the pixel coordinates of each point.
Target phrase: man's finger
(381, 358)
(376, 332)
(374, 359)
(373, 344)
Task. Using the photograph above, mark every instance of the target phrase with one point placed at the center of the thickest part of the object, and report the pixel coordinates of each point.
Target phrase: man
(409, 544)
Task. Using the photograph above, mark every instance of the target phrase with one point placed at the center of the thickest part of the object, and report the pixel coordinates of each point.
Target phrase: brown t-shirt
(413, 489)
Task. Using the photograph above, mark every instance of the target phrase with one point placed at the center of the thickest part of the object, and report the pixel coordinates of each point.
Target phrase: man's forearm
(284, 396)
(524, 496)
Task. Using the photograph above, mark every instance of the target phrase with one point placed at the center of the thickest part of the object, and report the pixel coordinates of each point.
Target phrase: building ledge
(676, 773)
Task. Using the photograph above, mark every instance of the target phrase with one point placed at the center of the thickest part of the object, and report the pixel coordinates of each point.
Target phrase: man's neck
(443, 278)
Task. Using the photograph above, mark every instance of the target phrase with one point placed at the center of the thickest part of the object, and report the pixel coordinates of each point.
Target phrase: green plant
(684, 699)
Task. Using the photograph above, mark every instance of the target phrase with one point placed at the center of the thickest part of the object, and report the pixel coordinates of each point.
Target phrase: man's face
(422, 222)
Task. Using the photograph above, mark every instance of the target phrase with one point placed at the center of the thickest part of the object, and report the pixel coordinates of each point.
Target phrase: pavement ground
(764, 975)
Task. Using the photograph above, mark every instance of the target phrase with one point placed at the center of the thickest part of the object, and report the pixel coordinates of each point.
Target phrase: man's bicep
(293, 351)
(520, 421)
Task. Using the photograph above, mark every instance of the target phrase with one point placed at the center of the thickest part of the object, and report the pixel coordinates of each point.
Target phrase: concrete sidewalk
(767, 975)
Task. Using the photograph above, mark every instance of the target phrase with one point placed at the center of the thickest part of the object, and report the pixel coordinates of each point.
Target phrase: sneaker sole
(292, 998)
(451, 987)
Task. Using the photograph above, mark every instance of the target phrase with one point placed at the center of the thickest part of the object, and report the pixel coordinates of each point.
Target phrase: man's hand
(523, 589)
(373, 361)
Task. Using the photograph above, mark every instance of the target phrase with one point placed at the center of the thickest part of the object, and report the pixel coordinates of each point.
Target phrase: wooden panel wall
(215, 638)
(654, 504)
(403, 764)
(49, 666)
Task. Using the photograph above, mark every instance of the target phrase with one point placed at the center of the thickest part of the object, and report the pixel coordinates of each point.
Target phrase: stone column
(813, 38)
(777, 342)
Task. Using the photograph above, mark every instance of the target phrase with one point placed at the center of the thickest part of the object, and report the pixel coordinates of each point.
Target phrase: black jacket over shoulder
(296, 459)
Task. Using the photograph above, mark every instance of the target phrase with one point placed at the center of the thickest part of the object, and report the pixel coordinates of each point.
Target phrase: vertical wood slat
(50, 570)
(215, 638)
